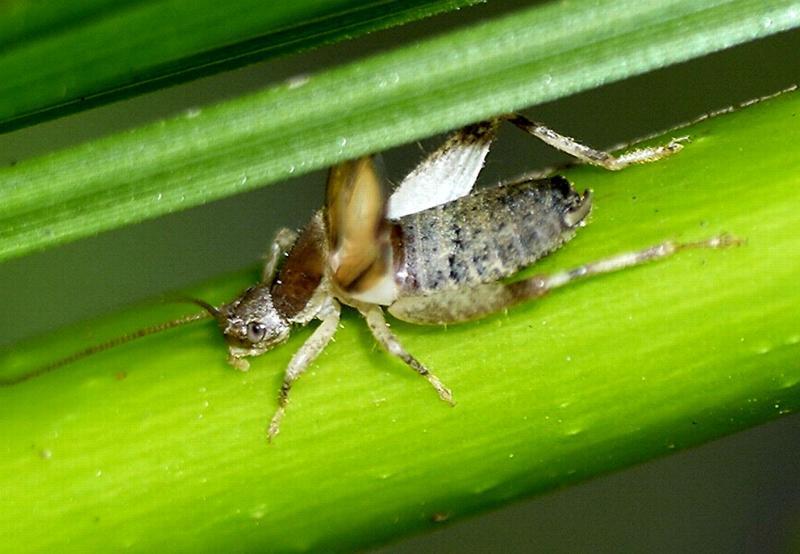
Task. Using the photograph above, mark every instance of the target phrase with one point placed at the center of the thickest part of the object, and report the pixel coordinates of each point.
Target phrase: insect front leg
(281, 244)
(590, 155)
(380, 330)
(312, 348)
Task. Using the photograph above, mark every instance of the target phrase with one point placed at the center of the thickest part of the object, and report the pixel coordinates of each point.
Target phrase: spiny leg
(315, 344)
(380, 330)
(590, 155)
(541, 284)
(283, 241)
(482, 300)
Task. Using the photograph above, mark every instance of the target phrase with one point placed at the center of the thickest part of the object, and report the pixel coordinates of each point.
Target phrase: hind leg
(477, 302)
(590, 155)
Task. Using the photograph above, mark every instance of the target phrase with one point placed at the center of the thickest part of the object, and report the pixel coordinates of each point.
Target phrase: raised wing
(355, 210)
(446, 174)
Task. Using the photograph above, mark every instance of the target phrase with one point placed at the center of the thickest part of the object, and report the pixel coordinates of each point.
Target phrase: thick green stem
(160, 442)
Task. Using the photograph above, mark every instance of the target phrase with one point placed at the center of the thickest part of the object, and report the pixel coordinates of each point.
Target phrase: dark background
(739, 494)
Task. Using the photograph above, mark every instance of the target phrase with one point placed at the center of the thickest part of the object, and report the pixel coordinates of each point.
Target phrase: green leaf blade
(61, 57)
(532, 56)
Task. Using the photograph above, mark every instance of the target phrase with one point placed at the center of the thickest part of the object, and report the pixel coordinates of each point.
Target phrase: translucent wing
(446, 174)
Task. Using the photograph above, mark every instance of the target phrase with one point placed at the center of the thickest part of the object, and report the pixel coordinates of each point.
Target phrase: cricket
(433, 252)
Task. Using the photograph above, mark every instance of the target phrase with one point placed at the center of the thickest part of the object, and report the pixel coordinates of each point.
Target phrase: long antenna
(117, 341)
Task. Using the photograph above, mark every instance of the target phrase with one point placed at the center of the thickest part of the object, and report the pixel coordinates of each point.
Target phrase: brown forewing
(356, 209)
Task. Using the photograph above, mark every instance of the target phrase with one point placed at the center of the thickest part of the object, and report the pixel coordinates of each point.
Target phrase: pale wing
(355, 219)
(446, 174)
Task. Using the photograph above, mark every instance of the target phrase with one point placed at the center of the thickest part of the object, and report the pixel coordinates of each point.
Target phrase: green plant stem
(160, 442)
(534, 55)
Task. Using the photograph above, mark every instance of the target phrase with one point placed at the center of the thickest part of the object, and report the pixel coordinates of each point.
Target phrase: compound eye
(256, 331)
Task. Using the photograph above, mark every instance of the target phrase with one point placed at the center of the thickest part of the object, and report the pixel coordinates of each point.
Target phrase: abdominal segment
(486, 236)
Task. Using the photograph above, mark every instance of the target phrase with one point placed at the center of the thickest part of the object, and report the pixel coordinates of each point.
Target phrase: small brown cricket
(434, 252)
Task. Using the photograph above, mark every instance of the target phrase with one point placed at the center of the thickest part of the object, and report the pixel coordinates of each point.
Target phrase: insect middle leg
(590, 155)
(312, 348)
(477, 302)
(377, 324)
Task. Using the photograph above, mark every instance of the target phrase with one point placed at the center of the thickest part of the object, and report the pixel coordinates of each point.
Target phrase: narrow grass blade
(531, 56)
(60, 57)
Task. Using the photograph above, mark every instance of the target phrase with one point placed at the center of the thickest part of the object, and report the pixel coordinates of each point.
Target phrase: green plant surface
(160, 442)
(531, 56)
(59, 57)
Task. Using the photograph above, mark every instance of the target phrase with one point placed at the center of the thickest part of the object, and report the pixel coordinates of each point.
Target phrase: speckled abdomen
(486, 236)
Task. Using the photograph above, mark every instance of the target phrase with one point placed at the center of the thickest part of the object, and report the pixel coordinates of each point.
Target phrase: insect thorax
(302, 273)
